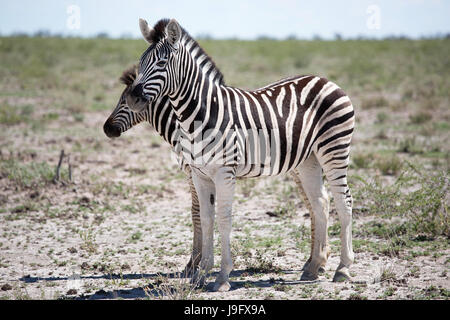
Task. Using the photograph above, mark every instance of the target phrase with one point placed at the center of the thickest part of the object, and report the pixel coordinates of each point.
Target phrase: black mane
(129, 75)
(159, 32)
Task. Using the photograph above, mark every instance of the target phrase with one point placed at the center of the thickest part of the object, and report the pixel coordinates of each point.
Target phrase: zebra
(161, 116)
(304, 124)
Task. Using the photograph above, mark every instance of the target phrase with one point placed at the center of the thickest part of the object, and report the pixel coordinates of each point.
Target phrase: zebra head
(122, 118)
(157, 73)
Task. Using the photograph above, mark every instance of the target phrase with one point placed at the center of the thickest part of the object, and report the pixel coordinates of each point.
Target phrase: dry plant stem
(70, 168)
(58, 167)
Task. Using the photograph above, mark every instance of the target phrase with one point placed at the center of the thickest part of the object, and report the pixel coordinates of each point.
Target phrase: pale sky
(231, 18)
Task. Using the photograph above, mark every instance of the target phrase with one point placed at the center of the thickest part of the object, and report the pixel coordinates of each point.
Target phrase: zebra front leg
(225, 185)
(196, 255)
(206, 194)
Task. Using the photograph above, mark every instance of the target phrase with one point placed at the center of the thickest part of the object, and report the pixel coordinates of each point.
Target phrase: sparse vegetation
(27, 175)
(126, 216)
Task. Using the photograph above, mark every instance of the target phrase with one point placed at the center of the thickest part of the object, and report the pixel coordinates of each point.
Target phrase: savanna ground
(121, 227)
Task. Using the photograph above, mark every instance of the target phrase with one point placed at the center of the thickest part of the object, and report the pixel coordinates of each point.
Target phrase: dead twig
(70, 167)
(58, 167)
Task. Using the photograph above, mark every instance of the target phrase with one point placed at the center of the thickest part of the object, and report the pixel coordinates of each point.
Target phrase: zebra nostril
(111, 130)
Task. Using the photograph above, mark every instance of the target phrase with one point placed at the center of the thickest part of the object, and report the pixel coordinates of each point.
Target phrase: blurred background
(59, 67)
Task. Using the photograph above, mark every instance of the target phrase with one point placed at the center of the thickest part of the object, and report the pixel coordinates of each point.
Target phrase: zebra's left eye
(161, 63)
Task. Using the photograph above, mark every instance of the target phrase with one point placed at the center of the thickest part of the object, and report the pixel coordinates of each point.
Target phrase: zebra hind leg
(310, 175)
(336, 172)
(343, 200)
(304, 198)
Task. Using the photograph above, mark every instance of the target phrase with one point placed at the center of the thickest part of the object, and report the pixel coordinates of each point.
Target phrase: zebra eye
(161, 63)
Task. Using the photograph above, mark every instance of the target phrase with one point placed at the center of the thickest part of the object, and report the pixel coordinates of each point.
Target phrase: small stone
(72, 250)
(6, 287)
(272, 214)
(85, 266)
(85, 199)
(71, 292)
(34, 194)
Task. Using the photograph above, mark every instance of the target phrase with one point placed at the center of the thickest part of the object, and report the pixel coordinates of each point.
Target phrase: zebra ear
(145, 30)
(173, 31)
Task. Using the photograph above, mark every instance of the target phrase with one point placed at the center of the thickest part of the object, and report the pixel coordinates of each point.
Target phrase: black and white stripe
(264, 132)
(275, 128)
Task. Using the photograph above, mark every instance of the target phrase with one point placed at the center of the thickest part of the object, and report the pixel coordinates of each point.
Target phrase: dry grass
(125, 216)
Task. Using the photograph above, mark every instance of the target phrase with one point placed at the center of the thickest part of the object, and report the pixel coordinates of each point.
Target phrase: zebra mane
(129, 75)
(159, 32)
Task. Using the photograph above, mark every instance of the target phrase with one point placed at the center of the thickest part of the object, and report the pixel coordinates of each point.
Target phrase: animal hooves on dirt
(341, 276)
(308, 276)
(305, 266)
(222, 287)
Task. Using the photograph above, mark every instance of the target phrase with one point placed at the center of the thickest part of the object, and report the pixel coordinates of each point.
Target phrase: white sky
(233, 18)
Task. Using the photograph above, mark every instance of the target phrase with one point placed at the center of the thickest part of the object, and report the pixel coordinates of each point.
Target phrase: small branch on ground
(70, 168)
(58, 167)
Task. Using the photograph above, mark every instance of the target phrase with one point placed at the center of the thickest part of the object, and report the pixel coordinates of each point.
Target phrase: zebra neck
(203, 108)
(200, 89)
(163, 119)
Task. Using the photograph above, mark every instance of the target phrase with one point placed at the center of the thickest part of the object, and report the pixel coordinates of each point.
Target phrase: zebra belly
(266, 155)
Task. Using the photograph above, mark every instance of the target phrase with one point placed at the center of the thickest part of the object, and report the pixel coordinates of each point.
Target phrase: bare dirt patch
(123, 227)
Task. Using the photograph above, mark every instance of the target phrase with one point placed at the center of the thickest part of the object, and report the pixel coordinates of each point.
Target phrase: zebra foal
(161, 116)
(301, 125)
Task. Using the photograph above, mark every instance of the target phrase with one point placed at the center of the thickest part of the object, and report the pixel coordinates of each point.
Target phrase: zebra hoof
(222, 286)
(342, 275)
(308, 276)
(306, 265)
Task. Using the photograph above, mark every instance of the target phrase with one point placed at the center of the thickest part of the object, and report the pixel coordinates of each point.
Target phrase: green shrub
(27, 175)
(374, 102)
(420, 117)
(361, 161)
(409, 145)
(419, 199)
(382, 117)
(389, 166)
(11, 115)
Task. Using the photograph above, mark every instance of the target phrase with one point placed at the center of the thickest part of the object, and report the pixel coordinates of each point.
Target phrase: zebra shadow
(134, 293)
(153, 291)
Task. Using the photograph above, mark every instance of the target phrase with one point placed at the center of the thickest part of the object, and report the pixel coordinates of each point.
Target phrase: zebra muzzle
(111, 130)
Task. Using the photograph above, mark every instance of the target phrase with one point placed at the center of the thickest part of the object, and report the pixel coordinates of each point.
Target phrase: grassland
(121, 227)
